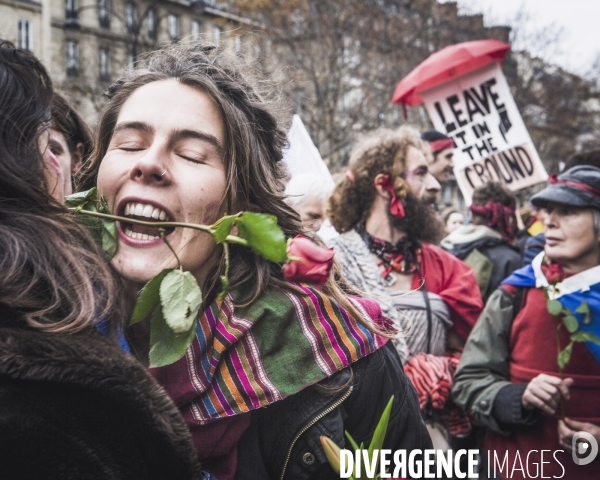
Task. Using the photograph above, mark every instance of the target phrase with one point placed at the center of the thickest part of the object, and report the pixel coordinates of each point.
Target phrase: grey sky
(578, 46)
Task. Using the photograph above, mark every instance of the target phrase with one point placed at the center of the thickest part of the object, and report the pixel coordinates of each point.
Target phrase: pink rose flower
(308, 262)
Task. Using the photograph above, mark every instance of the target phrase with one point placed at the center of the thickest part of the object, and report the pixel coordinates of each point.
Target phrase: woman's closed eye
(193, 157)
(130, 147)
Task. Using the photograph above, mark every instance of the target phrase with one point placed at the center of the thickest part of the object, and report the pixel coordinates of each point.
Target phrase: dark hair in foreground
(52, 276)
(253, 144)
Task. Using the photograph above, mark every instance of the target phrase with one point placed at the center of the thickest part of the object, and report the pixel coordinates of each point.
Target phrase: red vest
(533, 350)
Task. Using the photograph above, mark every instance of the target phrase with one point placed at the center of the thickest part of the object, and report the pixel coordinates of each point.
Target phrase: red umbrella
(447, 64)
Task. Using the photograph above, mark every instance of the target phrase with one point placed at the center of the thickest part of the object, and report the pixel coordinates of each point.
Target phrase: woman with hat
(509, 377)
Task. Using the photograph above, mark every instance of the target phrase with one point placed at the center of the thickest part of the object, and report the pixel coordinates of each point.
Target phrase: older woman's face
(311, 213)
(570, 235)
(165, 162)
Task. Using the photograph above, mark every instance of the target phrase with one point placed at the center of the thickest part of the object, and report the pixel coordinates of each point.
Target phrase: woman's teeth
(145, 210)
(139, 236)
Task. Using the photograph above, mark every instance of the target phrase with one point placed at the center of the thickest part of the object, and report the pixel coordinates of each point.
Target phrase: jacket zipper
(311, 423)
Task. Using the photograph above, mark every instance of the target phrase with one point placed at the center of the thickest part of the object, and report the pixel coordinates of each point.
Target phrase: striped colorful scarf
(247, 357)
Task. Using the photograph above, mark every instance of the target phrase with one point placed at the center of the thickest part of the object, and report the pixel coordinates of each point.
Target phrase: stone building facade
(87, 44)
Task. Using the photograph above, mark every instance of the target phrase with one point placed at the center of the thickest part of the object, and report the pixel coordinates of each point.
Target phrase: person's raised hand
(544, 392)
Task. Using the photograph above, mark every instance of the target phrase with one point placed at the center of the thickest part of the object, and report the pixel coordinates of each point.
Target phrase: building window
(72, 58)
(71, 9)
(173, 26)
(217, 35)
(103, 9)
(25, 35)
(130, 14)
(152, 24)
(238, 44)
(195, 30)
(104, 69)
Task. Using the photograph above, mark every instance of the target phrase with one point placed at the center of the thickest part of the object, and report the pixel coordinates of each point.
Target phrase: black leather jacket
(282, 441)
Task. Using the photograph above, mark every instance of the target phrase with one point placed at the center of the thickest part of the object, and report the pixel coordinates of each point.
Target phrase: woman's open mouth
(147, 213)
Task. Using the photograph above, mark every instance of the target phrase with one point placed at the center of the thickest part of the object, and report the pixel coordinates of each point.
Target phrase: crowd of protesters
(452, 313)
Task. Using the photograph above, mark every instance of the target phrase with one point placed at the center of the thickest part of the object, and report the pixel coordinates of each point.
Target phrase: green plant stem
(162, 235)
(226, 253)
(195, 226)
(560, 370)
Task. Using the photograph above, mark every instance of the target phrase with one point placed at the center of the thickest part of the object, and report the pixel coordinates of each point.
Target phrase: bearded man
(383, 209)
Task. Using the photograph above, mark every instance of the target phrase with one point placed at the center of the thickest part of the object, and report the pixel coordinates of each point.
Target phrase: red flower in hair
(308, 262)
(396, 205)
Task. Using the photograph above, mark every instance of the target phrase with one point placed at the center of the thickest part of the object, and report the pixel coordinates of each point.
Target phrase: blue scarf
(582, 287)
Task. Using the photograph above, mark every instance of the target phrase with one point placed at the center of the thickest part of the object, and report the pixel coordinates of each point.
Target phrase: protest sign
(492, 144)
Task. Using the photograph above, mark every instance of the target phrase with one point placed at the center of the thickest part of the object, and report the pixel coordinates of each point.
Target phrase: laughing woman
(188, 138)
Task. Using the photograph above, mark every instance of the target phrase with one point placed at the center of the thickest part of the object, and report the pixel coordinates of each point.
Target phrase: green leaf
(554, 307)
(81, 199)
(166, 346)
(148, 298)
(570, 323)
(585, 337)
(565, 356)
(93, 226)
(583, 308)
(181, 298)
(221, 228)
(351, 440)
(103, 206)
(109, 239)
(264, 236)
(381, 430)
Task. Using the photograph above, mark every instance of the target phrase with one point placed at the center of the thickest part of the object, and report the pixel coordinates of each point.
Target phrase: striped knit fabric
(247, 357)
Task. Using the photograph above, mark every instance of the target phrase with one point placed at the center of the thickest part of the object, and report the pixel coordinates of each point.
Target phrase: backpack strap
(517, 294)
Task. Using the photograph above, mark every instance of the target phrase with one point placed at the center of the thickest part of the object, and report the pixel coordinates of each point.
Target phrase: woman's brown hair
(381, 151)
(253, 143)
(52, 276)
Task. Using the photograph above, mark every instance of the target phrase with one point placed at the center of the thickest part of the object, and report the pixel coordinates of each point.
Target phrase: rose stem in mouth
(195, 226)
